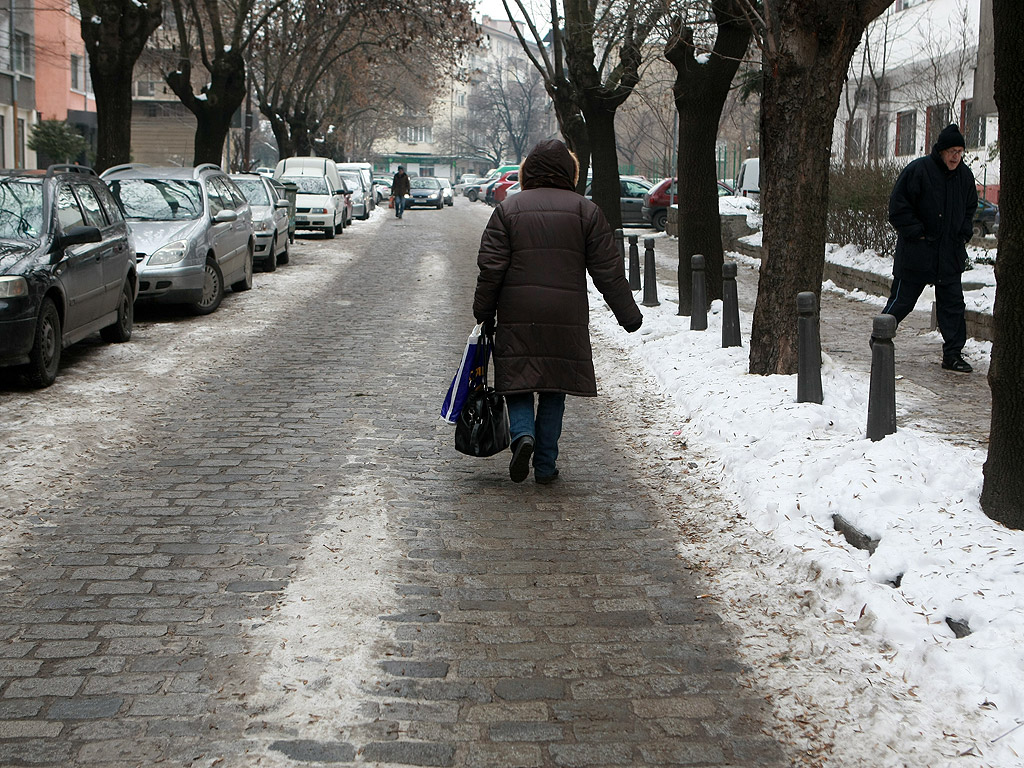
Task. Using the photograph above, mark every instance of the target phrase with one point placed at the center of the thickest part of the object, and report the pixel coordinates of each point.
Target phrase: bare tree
(510, 107)
(115, 33)
(704, 73)
(1002, 496)
(807, 46)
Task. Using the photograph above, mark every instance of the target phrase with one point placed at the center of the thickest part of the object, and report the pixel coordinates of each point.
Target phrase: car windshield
(424, 182)
(309, 185)
(254, 190)
(354, 181)
(158, 199)
(21, 209)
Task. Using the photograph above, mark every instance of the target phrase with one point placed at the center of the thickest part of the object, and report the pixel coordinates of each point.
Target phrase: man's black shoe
(522, 450)
(545, 479)
(957, 364)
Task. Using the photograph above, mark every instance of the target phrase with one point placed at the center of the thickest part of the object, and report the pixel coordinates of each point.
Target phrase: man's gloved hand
(632, 327)
(488, 324)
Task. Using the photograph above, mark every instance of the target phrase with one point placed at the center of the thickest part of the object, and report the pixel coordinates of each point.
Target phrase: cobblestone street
(299, 477)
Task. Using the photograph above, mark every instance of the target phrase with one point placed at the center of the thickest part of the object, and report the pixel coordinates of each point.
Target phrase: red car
(663, 194)
(505, 181)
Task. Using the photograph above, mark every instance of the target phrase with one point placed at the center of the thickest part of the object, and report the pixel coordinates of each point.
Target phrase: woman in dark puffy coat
(534, 257)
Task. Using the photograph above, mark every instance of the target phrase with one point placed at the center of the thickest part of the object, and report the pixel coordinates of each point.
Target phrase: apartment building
(17, 84)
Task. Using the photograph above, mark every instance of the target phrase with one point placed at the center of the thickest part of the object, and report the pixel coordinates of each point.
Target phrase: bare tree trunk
(807, 52)
(1002, 496)
(114, 45)
(700, 91)
(216, 105)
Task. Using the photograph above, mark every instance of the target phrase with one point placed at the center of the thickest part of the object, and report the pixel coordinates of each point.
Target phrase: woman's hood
(549, 164)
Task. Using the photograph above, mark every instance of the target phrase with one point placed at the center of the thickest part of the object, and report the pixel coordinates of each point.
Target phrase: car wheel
(660, 220)
(213, 289)
(472, 195)
(285, 257)
(44, 359)
(246, 282)
(979, 229)
(440, 204)
(121, 330)
(270, 265)
(329, 233)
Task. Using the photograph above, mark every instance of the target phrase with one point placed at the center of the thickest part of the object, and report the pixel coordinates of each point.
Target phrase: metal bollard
(650, 275)
(882, 394)
(808, 378)
(699, 311)
(730, 307)
(621, 245)
(634, 263)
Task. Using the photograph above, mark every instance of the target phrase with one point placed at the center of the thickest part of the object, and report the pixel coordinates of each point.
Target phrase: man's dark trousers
(949, 311)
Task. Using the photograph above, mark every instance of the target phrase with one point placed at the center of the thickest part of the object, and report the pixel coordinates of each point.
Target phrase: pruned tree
(705, 69)
(115, 33)
(57, 140)
(807, 46)
(1002, 495)
(512, 104)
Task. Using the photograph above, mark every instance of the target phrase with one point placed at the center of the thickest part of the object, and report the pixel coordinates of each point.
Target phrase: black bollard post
(882, 394)
(634, 263)
(650, 275)
(730, 307)
(699, 310)
(808, 378)
(621, 245)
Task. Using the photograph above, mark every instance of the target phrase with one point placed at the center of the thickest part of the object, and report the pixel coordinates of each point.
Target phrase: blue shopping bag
(471, 374)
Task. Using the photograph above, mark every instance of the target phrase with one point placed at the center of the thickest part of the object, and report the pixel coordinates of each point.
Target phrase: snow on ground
(862, 640)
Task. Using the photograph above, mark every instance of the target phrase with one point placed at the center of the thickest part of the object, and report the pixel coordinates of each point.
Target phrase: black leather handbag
(482, 427)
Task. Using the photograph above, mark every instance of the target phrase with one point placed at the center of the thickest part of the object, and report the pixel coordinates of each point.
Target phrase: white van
(366, 171)
(320, 199)
(748, 183)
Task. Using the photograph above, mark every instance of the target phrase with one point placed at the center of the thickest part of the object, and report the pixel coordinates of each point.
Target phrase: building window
(19, 147)
(973, 125)
(938, 118)
(906, 133)
(74, 9)
(855, 140)
(23, 52)
(416, 133)
(76, 73)
(145, 88)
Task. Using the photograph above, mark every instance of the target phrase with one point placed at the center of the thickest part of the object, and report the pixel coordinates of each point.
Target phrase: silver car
(269, 219)
(446, 186)
(360, 202)
(192, 229)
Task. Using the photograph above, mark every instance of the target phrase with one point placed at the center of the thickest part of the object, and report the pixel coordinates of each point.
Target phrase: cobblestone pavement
(145, 608)
(955, 405)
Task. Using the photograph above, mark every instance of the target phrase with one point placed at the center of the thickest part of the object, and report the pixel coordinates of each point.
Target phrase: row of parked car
(77, 249)
(642, 202)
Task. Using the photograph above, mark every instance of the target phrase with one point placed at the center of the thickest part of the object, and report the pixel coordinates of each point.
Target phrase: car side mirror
(281, 204)
(77, 236)
(225, 217)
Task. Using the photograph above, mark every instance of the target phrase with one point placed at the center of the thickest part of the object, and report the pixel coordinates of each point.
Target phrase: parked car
(269, 219)
(365, 171)
(67, 267)
(986, 220)
(425, 190)
(515, 189)
(446, 187)
(323, 201)
(631, 200)
(192, 230)
(506, 180)
(382, 188)
(748, 182)
(661, 195)
(360, 199)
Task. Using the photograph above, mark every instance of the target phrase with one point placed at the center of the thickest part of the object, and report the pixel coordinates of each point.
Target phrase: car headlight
(432, 196)
(13, 286)
(316, 211)
(171, 253)
(260, 226)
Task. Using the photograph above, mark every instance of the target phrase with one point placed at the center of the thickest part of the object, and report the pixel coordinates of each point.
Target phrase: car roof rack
(70, 168)
(204, 167)
(123, 167)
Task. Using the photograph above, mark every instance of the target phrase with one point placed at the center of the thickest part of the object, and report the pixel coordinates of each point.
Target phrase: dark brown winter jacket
(534, 257)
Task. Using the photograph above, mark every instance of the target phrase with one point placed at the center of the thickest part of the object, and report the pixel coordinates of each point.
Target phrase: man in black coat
(400, 190)
(932, 208)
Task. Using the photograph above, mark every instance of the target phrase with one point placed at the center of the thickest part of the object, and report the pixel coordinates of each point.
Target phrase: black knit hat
(950, 137)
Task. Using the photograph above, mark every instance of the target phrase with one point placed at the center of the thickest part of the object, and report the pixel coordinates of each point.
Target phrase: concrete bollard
(621, 245)
(808, 379)
(650, 275)
(699, 310)
(634, 263)
(730, 307)
(882, 393)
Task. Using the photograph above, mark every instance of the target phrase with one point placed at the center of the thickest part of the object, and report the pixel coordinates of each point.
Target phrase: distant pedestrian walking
(534, 257)
(400, 189)
(932, 208)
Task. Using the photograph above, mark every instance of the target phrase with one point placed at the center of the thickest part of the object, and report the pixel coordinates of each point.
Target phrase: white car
(269, 219)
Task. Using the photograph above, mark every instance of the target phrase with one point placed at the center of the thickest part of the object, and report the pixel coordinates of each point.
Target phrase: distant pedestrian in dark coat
(535, 254)
(400, 188)
(932, 208)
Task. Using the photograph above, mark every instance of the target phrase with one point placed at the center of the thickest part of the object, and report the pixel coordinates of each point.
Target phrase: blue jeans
(545, 427)
(399, 205)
